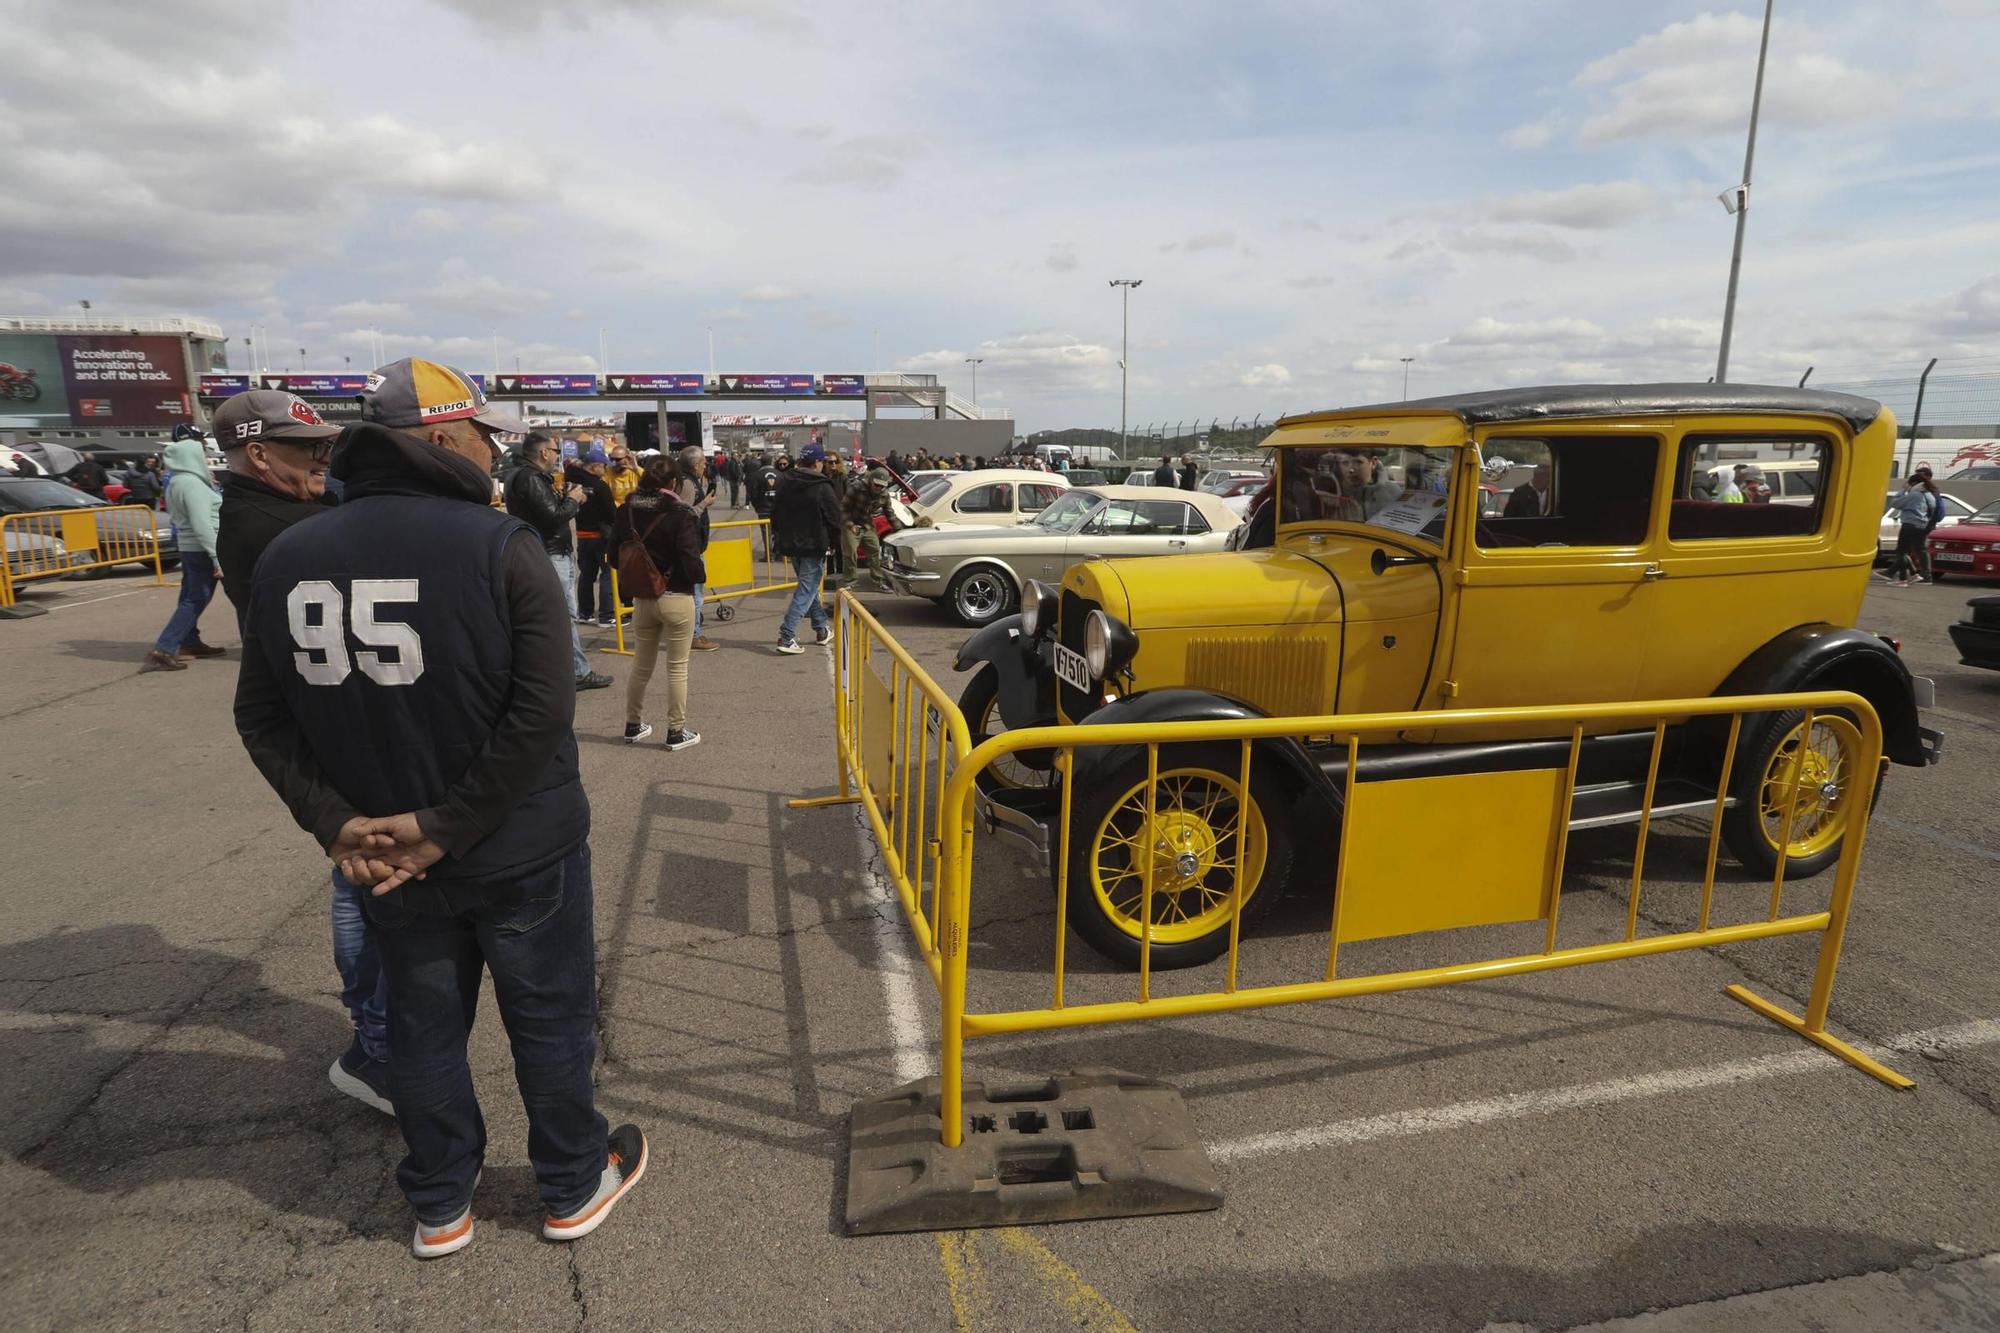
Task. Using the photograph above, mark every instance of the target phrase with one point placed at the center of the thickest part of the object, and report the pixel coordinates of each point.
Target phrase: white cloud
(1591, 206)
(1221, 239)
(370, 312)
(1693, 78)
(1268, 376)
(1532, 134)
(1062, 257)
(460, 289)
(770, 293)
(871, 163)
(1043, 361)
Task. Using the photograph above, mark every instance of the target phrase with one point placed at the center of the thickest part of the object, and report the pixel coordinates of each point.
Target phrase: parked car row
(38, 545)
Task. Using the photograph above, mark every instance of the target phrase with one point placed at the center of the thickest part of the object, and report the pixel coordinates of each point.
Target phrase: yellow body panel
(1403, 880)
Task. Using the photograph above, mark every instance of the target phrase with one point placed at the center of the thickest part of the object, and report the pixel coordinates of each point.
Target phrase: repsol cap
(414, 393)
(268, 414)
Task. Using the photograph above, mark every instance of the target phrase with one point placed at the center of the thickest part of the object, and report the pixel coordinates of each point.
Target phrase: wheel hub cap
(1183, 847)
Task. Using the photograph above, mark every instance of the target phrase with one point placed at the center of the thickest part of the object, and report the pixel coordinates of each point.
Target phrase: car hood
(1968, 531)
(1262, 587)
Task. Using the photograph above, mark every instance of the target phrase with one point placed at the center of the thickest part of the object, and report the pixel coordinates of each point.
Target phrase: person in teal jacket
(192, 502)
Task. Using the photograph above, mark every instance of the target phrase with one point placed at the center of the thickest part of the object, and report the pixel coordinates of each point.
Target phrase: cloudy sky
(1507, 192)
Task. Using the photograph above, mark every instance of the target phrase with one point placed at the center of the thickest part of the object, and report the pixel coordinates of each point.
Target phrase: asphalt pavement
(1546, 1151)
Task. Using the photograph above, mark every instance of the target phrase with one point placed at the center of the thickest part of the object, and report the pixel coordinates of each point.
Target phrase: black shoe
(685, 739)
(624, 1163)
(592, 680)
(606, 624)
(192, 647)
(363, 1077)
(636, 732)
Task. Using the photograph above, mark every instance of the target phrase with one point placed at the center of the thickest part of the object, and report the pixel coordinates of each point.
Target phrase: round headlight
(1037, 601)
(1097, 644)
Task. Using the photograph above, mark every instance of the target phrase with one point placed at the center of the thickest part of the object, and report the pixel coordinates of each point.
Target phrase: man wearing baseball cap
(406, 688)
(277, 448)
(806, 524)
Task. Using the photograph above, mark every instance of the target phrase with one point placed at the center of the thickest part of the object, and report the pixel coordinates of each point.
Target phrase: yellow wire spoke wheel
(1823, 766)
(1200, 821)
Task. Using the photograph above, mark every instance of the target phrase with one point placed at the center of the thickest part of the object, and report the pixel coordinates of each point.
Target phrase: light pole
(1406, 375)
(975, 362)
(1737, 201)
(1124, 351)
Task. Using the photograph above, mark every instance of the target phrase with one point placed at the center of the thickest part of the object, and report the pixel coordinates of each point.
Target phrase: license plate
(1952, 557)
(1071, 669)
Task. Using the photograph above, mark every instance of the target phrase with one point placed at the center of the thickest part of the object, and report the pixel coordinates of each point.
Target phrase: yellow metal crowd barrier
(735, 569)
(47, 542)
(1387, 884)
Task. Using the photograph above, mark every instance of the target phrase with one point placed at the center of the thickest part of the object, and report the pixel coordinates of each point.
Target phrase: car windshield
(1401, 488)
(934, 492)
(39, 493)
(1978, 472)
(1990, 514)
(1066, 514)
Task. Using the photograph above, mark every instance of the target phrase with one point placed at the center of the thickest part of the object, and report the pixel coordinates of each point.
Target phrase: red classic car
(1969, 547)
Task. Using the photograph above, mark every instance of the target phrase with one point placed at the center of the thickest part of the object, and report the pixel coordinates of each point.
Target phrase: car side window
(1193, 524)
(1731, 487)
(997, 498)
(1035, 498)
(1164, 516)
(1569, 490)
(1118, 518)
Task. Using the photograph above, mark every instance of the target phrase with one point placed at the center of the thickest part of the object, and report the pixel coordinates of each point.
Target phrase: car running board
(1623, 802)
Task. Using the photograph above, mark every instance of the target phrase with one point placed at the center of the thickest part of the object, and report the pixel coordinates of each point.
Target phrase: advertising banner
(545, 386)
(783, 385)
(316, 386)
(845, 386)
(658, 386)
(77, 380)
(223, 386)
(131, 381)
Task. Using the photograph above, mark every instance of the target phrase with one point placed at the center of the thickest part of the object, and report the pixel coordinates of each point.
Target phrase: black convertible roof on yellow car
(1554, 401)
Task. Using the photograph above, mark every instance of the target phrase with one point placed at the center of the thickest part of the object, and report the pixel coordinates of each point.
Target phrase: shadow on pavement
(1665, 1267)
(146, 1063)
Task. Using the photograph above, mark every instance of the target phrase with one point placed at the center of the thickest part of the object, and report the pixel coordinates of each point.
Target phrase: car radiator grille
(1074, 610)
(1283, 679)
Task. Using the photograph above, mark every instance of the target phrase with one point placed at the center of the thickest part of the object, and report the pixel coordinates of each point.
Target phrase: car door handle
(1653, 572)
(1175, 541)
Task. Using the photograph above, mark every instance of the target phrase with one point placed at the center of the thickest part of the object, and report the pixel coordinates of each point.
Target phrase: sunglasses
(321, 450)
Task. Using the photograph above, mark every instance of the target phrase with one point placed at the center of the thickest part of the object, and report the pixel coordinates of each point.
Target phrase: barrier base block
(1093, 1143)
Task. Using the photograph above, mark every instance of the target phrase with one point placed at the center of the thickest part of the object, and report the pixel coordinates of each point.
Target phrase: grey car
(977, 573)
(124, 530)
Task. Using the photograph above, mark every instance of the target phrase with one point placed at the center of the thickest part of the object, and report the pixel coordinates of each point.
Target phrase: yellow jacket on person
(622, 481)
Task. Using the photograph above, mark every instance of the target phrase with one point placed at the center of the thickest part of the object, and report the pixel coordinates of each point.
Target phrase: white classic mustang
(977, 572)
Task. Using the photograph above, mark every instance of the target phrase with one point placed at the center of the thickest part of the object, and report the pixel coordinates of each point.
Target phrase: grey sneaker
(363, 1078)
(592, 680)
(624, 1163)
(790, 647)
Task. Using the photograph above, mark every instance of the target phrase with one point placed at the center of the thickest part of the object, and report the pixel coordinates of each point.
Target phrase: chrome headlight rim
(1038, 602)
(1108, 645)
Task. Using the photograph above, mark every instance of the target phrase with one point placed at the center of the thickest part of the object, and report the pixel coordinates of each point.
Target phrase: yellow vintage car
(1376, 580)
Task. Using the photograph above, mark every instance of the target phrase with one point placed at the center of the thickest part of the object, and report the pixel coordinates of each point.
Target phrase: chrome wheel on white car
(980, 595)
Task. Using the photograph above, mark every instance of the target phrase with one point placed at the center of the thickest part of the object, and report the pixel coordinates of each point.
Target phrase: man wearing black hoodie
(277, 449)
(805, 525)
(406, 688)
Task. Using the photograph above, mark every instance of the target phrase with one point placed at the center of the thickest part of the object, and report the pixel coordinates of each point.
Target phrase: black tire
(1106, 808)
(1744, 824)
(725, 612)
(978, 595)
(980, 704)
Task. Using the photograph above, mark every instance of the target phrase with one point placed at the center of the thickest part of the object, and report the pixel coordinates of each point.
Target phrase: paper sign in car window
(1411, 514)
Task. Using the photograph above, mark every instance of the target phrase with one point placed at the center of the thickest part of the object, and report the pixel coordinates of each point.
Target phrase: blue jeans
(566, 572)
(535, 935)
(809, 570)
(697, 610)
(593, 579)
(364, 988)
(197, 590)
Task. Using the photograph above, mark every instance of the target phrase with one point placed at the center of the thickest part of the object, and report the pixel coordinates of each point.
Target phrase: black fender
(1187, 705)
(1823, 657)
(1024, 669)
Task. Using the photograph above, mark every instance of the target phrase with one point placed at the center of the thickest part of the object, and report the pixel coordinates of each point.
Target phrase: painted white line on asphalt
(109, 597)
(893, 963)
(1514, 1106)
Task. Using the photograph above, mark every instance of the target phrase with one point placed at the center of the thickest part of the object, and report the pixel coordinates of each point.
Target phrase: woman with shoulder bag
(658, 541)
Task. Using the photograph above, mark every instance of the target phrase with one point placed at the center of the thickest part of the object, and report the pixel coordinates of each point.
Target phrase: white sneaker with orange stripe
(624, 1163)
(434, 1242)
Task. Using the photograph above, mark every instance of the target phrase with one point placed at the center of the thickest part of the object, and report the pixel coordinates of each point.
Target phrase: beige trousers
(666, 621)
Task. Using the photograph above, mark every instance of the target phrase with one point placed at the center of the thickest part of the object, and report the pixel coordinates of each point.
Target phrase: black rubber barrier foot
(22, 611)
(1094, 1143)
